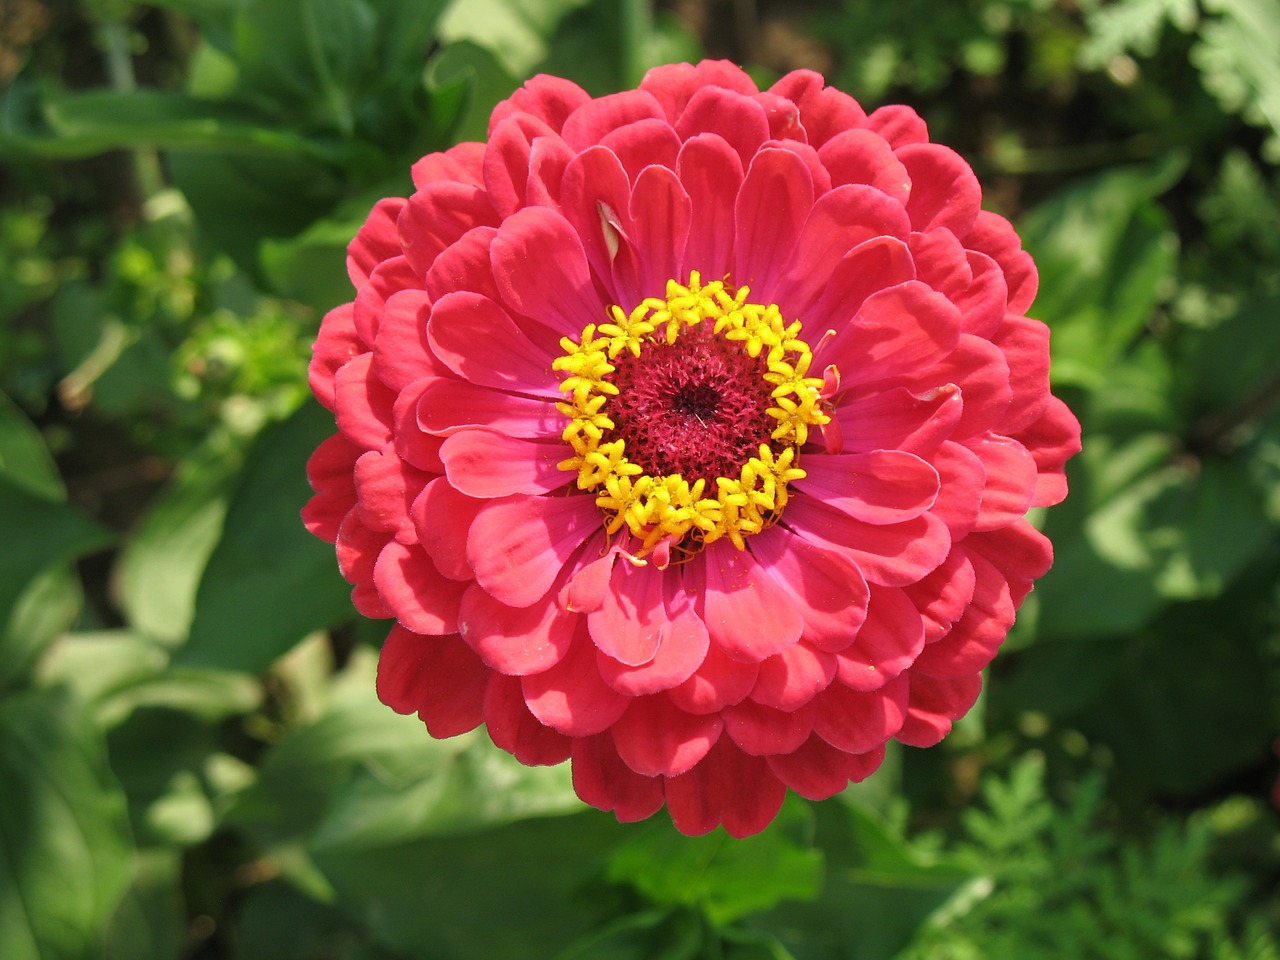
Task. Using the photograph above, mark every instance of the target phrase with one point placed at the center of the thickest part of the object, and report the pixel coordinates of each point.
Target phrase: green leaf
(726, 878)
(65, 854)
(1106, 254)
(268, 583)
(150, 920)
(1236, 59)
(514, 31)
(24, 458)
(467, 81)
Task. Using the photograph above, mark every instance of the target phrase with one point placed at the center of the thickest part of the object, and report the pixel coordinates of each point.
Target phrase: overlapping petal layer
(709, 678)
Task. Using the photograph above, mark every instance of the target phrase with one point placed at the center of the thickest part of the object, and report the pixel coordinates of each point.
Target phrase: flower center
(687, 416)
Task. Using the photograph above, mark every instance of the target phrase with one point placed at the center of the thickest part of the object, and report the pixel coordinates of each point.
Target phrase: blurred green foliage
(192, 760)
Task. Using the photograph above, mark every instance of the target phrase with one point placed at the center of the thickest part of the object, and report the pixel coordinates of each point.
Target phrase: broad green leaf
(528, 889)
(726, 878)
(651, 935)
(1106, 255)
(268, 583)
(1236, 59)
(159, 568)
(24, 458)
(467, 81)
(514, 31)
(65, 854)
(150, 921)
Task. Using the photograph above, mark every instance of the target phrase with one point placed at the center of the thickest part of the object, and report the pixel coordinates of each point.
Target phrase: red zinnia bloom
(689, 433)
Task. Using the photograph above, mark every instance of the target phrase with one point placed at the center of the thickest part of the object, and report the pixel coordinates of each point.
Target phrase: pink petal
(944, 191)
(513, 728)
(887, 644)
(330, 472)
(749, 614)
(896, 332)
(595, 197)
(461, 163)
(660, 212)
(716, 683)
(735, 117)
(1052, 440)
(518, 546)
(541, 270)
(898, 419)
(439, 678)
(485, 464)
(960, 493)
(935, 704)
(824, 112)
(377, 240)
(388, 278)
(1011, 481)
(357, 550)
(594, 119)
(363, 404)
(862, 156)
(849, 221)
(809, 157)
(586, 590)
(412, 445)
(478, 340)
(760, 730)
(1019, 551)
(336, 345)
(783, 117)
(516, 641)
(642, 144)
(858, 722)
(816, 770)
(681, 651)
(993, 235)
(794, 677)
(448, 406)
(550, 99)
(571, 696)
(890, 555)
(1026, 348)
(442, 517)
(465, 266)
(975, 638)
(414, 590)
(630, 623)
(601, 779)
(712, 174)
(899, 125)
(826, 585)
(882, 486)
(506, 160)
(400, 352)
(655, 738)
(943, 595)
(729, 788)
(971, 280)
(386, 487)
(868, 268)
(772, 206)
(672, 85)
(437, 215)
(548, 158)
(980, 369)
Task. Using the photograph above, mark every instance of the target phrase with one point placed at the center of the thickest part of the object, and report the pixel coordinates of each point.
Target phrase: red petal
(601, 779)
(717, 683)
(993, 235)
(571, 696)
(1011, 481)
(898, 124)
(377, 240)
(882, 486)
(590, 122)
(794, 677)
(898, 419)
(944, 191)
(749, 614)
(1026, 348)
(442, 517)
(760, 730)
(447, 406)
(506, 160)
(478, 340)
(364, 406)
(772, 206)
(672, 85)
(660, 213)
(439, 678)
(513, 728)
(336, 345)
(518, 546)
(1019, 551)
(1052, 440)
(330, 471)
(656, 738)
(465, 266)
(412, 444)
(824, 112)
(887, 644)
(712, 175)
(437, 215)
(826, 585)
(414, 590)
(461, 163)
(681, 651)
(400, 352)
(858, 722)
(862, 156)
(357, 549)
(642, 144)
(817, 770)
(550, 99)
(783, 117)
(934, 705)
(630, 623)
(386, 487)
(388, 278)
(960, 493)
(943, 595)
(974, 640)
(516, 641)
(595, 189)
(729, 788)
(485, 464)
(735, 117)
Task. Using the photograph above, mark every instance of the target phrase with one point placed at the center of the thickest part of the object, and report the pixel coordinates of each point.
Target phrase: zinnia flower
(688, 434)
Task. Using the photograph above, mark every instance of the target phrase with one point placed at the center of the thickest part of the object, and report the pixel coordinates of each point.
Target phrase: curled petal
(571, 696)
(728, 788)
(656, 738)
(513, 728)
(516, 641)
(601, 779)
(935, 703)
(858, 721)
(438, 678)
(816, 770)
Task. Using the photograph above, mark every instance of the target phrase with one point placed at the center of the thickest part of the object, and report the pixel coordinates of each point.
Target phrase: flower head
(688, 433)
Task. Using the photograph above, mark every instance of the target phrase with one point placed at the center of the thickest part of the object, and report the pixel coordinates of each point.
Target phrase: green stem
(637, 27)
(114, 40)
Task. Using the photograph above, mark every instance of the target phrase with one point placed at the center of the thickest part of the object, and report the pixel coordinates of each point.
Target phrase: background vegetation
(192, 760)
